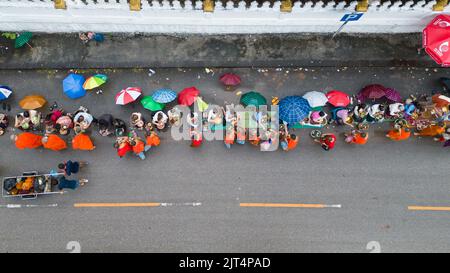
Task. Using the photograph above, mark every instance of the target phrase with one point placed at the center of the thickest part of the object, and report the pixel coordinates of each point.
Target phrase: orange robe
(153, 140)
(82, 142)
(28, 141)
(358, 139)
(399, 135)
(55, 143)
(139, 147)
(432, 131)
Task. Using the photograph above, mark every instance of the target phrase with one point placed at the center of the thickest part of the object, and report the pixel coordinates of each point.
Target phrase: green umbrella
(150, 104)
(23, 39)
(253, 98)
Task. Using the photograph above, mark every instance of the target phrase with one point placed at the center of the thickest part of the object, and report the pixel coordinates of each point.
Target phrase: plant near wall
(9, 35)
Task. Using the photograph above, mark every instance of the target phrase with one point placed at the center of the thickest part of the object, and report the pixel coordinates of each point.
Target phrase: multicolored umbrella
(164, 95)
(230, 79)
(150, 104)
(316, 98)
(95, 81)
(32, 102)
(253, 98)
(73, 86)
(372, 91)
(338, 98)
(293, 109)
(187, 96)
(128, 95)
(393, 95)
(436, 39)
(23, 39)
(5, 92)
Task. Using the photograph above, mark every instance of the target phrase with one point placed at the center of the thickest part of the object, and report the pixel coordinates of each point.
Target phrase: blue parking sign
(351, 17)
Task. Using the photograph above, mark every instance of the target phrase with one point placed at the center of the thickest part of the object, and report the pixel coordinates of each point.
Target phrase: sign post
(354, 16)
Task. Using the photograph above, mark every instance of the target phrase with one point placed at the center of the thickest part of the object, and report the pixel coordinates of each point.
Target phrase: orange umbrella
(32, 102)
(54, 143)
(82, 142)
(28, 141)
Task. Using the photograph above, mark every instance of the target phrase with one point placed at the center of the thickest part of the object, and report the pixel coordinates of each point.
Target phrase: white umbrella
(316, 99)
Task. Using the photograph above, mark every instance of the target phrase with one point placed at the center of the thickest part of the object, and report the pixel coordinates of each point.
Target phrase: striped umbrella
(95, 81)
(128, 95)
(293, 109)
(164, 95)
(5, 92)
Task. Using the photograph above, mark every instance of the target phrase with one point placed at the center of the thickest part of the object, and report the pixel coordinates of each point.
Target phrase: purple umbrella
(393, 95)
(373, 91)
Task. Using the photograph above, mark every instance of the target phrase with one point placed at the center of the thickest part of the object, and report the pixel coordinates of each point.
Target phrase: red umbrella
(393, 95)
(187, 96)
(372, 91)
(436, 39)
(230, 79)
(338, 98)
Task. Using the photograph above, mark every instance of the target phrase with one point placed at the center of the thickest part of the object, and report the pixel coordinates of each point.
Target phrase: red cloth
(436, 39)
(56, 114)
(329, 140)
(122, 151)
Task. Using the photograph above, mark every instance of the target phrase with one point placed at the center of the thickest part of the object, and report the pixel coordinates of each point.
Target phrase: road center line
(428, 208)
(150, 204)
(287, 205)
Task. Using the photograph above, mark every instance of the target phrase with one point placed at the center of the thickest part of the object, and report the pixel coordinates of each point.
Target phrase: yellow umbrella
(202, 105)
(32, 102)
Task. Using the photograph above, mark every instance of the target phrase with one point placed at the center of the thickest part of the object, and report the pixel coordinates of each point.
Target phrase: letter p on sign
(351, 17)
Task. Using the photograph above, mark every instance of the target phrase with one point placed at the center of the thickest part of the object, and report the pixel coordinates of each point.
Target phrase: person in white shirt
(160, 120)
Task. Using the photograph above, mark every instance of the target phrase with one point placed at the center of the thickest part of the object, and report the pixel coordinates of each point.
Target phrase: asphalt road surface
(193, 199)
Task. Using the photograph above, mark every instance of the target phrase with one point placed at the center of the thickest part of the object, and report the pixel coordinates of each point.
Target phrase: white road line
(19, 206)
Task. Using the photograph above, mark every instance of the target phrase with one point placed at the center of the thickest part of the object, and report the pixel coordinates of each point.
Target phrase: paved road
(374, 184)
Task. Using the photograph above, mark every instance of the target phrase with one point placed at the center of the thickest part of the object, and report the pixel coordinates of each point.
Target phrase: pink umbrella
(373, 91)
(230, 79)
(338, 98)
(392, 95)
(128, 95)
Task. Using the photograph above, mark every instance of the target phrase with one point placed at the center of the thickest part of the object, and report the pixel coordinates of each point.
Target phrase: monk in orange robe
(27, 141)
(432, 130)
(82, 142)
(54, 143)
(399, 134)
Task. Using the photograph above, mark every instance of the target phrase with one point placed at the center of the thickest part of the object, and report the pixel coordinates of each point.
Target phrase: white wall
(170, 17)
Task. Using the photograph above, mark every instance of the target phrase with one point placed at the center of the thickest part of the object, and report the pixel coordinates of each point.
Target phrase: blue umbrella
(293, 109)
(164, 95)
(5, 92)
(73, 86)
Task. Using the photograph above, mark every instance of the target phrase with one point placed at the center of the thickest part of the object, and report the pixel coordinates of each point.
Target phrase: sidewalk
(63, 51)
